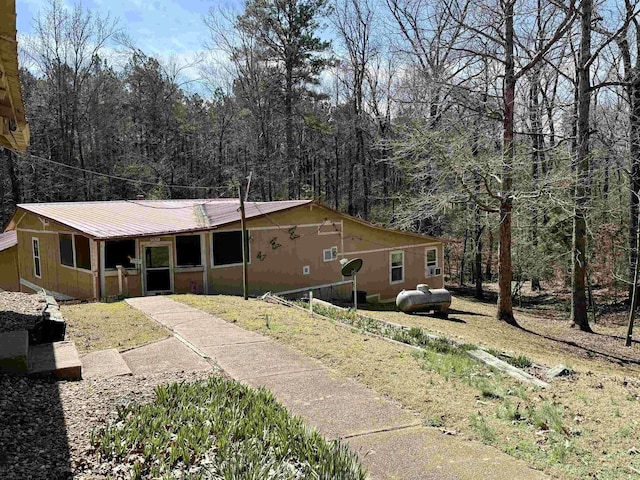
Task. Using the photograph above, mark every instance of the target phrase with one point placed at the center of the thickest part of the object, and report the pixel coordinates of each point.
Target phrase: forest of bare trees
(512, 126)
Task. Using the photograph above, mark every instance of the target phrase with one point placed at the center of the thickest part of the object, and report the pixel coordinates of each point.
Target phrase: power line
(200, 204)
(107, 175)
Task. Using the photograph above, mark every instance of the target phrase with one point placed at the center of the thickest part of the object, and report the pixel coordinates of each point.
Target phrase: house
(9, 276)
(93, 250)
(14, 129)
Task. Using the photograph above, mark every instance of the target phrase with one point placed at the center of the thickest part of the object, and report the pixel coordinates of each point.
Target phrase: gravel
(46, 425)
(20, 311)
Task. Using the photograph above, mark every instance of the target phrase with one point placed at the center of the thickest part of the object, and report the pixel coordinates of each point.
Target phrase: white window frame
(333, 254)
(391, 267)
(35, 245)
(213, 265)
(427, 264)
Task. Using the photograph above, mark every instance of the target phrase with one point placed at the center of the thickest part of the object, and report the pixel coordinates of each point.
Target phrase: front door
(158, 274)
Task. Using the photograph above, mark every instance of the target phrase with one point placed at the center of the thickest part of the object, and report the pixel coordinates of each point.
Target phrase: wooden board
(490, 360)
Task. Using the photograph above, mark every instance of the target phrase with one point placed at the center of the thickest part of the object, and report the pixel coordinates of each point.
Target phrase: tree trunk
(579, 257)
(634, 180)
(536, 154)
(488, 272)
(505, 308)
(13, 178)
(336, 185)
(478, 256)
(288, 111)
(464, 256)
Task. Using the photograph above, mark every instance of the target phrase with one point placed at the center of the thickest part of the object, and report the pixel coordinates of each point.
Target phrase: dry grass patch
(545, 339)
(587, 426)
(98, 326)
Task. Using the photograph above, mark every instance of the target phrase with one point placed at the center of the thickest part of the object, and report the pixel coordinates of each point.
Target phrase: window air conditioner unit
(330, 254)
(433, 271)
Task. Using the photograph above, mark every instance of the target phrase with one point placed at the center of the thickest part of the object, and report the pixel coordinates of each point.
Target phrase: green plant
(487, 432)
(508, 411)
(560, 448)
(582, 396)
(224, 429)
(519, 391)
(435, 421)
(496, 353)
(548, 416)
(624, 432)
(520, 361)
(487, 388)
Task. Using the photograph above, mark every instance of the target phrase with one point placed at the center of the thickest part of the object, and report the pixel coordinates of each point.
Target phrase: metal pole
(355, 292)
(634, 293)
(311, 301)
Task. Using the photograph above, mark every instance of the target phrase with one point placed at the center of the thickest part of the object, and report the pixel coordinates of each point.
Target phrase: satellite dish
(351, 267)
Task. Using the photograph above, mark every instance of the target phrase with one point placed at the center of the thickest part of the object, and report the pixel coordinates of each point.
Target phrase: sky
(160, 28)
(156, 26)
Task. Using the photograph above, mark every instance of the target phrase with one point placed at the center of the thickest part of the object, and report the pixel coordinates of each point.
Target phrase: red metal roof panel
(131, 218)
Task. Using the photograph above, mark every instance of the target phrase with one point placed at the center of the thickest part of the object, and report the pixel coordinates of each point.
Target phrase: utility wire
(116, 177)
(107, 175)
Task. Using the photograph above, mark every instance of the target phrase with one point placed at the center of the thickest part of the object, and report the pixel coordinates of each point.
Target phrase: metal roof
(8, 240)
(133, 218)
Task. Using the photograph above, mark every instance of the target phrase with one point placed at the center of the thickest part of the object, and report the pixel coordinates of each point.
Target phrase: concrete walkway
(390, 441)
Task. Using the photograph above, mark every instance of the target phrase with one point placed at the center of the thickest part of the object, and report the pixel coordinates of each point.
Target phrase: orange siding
(282, 268)
(113, 289)
(188, 282)
(9, 278)
(277, 257)
(72, 282)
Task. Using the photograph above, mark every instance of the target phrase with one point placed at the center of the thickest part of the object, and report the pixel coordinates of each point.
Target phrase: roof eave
(380, 227)
(14, 129)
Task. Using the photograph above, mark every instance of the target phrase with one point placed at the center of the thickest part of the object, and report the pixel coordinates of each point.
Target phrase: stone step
(59, 360)
(104, 364)
(14, 351)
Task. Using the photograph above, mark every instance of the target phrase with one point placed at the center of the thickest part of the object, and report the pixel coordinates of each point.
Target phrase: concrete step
(14, 351)
(104, 364)
(59, 360)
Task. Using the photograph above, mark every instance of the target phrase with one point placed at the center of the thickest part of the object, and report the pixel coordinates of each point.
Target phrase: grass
(98, 326)
(571, 430)
(219, 428)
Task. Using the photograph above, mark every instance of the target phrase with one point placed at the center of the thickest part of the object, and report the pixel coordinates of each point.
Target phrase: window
(66, 249)
(188, 251)
(83, 252)
(117, 252)
(75, 251)
(36, 257)
(227, 248)
(431, 262)
(397, 267)
(330, 254)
